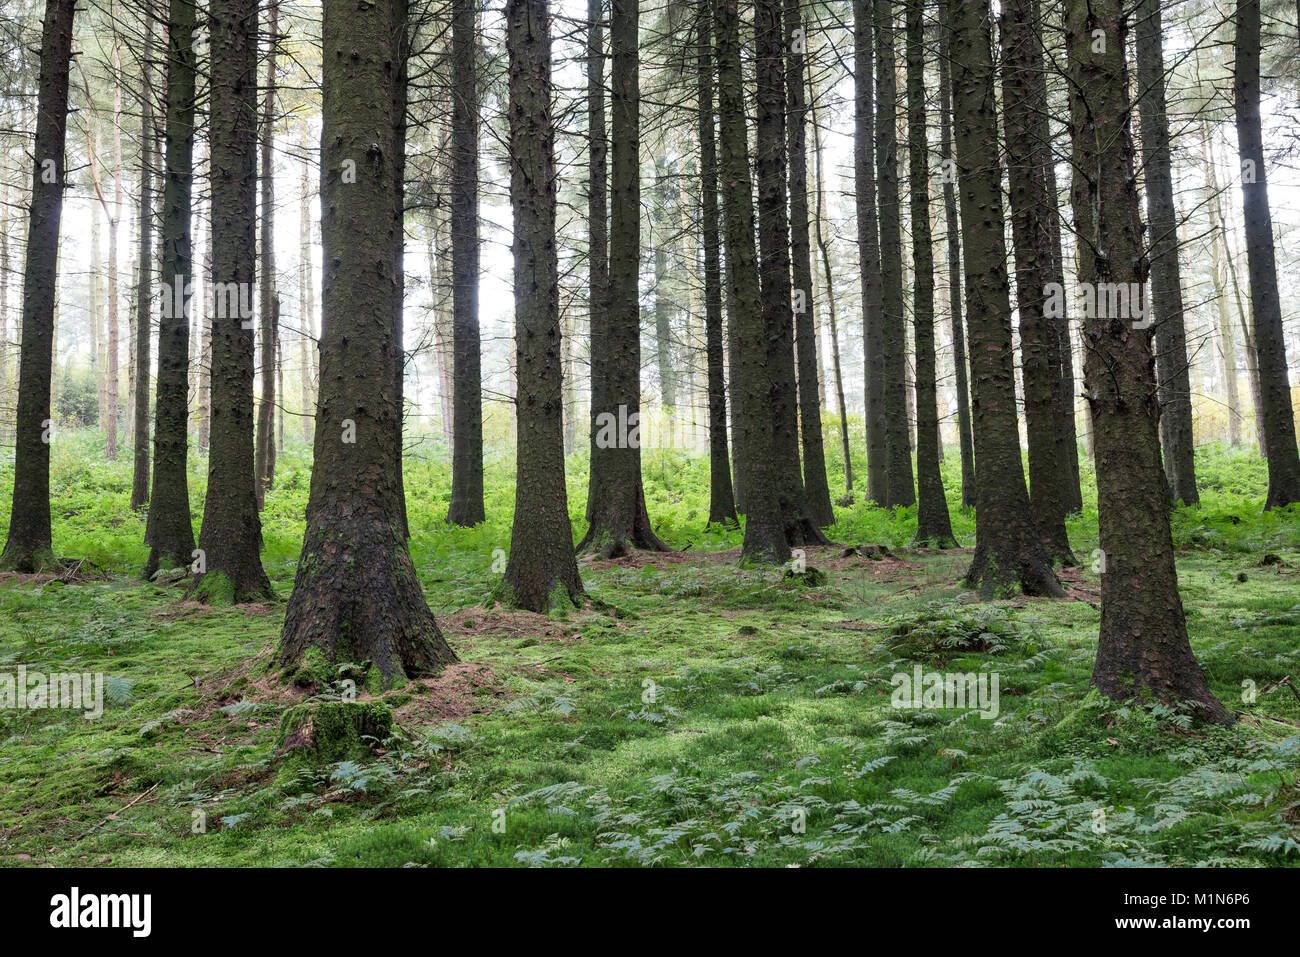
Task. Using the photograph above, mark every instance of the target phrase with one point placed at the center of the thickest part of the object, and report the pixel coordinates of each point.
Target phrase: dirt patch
(640, 559)
(477, 621)
(460, 690)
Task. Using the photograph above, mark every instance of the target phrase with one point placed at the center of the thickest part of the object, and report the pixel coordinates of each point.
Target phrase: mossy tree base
(362, 602)
(333, 731)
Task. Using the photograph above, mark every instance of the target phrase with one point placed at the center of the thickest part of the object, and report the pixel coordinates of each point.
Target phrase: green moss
(313, 669)
(331, 731)
(214, 588)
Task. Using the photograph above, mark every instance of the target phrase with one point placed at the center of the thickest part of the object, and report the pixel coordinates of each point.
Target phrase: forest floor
(708, 714)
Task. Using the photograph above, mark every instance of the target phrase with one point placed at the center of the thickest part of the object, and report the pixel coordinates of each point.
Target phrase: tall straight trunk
(933, 526)
(356, 596)
(397, 232)
(1143, 648)
(30, 545)
(1031, 208)
(205, 331)
(4, 312)
(169, 531)
(722, 505)
(864, 178)
(96, 294)
(542, 557)
(1265, 306)
(112, 372)
(438, 245)
(306, 304)
(268, 292)
(1245, 325)
(467, 447)
(597, 224)
(765, 537)
(1067, 440)
(1227, 340)
(230, 539)
(832, 318)
(144, 279)
(817, 491)
(618, 516)
(1166, 300)
(770, 44)
(899, 489)
(664, 309)
(1007, 548)
(952, 226)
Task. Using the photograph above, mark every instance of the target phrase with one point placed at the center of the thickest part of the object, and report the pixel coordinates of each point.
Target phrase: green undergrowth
(692, 712)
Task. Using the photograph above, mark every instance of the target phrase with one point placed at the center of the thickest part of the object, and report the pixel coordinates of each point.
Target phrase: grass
(706, 714)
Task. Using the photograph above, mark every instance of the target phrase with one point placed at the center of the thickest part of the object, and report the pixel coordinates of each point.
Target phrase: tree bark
(169, 531)
(467, 430)
(765, 538)
(542, 561)
(953, 228)
(1007, 549)
(1218, 253)
(1166, 300)
(618, 517)
(899, 488)
(817, 493)
(864, 178)
(268, 293)
(356, 596)
(933, 526)
(306, 301)
(774, 273)
(144, 279)
(597, 225)
(1265, 306)
(1031, 208)
(832, 318)
(1143, 650)
(30, 546)
(722, 505)
(230, 539)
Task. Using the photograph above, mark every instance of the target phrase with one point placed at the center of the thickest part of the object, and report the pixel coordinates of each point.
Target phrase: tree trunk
(1218, 251)
(306, 303)
(597, 226)
(1265, 306)
(1166, 300)
(4, 313)
(268, 292)
(30, 546)
(953, 229)
(1007, 549)
(112, 372)
(864, 177)
(817, 491)
(356, 596)
(230, 539)
(618, 516)
(542, 558)
(933, 526)
(831, 318)
(722, 506)
(467, 447)
(898, 480)
(205, 331)
(144, 279)
(1143, 648)
(169, 531)
(765, 537)
(770, 43)
(1031, 208)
